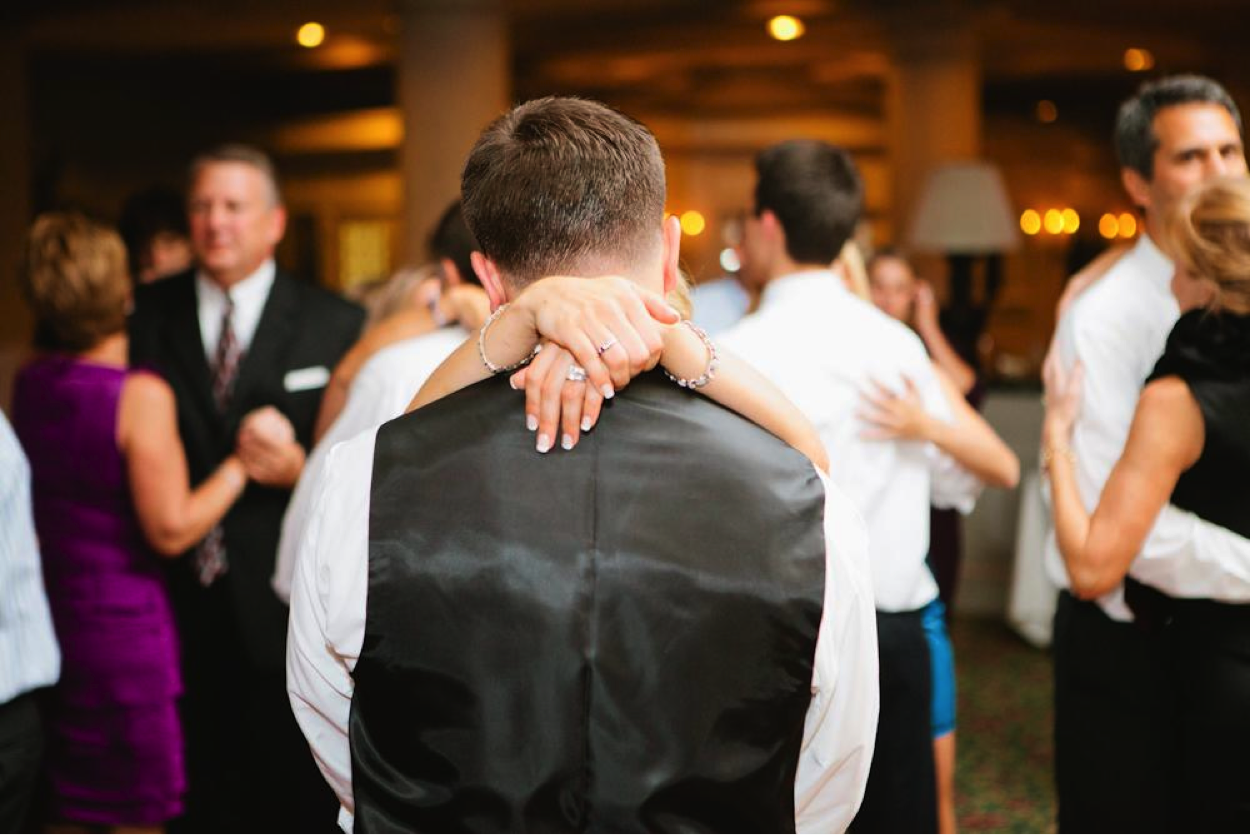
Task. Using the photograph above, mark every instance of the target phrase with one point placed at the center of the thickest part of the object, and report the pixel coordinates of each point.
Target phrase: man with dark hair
(453, 245)
(567, 643)
(1115, 761)
(234, 336)
(822, 346)
(153, 224)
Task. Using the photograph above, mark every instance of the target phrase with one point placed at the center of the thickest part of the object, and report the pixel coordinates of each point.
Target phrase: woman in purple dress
(110, 486)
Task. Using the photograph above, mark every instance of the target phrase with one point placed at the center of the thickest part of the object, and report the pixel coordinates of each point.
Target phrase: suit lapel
(269, 346)
(182, 332)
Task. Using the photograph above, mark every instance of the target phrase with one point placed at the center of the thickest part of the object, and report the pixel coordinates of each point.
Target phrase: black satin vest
(617, 638)
(1211, 353)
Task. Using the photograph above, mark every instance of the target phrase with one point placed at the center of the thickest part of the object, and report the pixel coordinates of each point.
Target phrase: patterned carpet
(1005, 749)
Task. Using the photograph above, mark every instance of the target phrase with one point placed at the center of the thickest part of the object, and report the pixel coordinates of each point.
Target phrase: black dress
(1207, 643)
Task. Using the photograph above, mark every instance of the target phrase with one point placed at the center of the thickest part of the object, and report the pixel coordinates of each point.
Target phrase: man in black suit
(247, 350)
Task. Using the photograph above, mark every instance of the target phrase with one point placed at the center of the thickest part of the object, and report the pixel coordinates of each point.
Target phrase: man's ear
(277, 226)
(451, 273)
(488, 274)
(672, 252)
(1137, 186)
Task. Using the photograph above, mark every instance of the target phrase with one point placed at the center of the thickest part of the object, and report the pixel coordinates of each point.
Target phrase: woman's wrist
(508, 339)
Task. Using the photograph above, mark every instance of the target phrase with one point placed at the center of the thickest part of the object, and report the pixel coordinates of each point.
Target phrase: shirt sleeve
(326, 628)
(841, 725)
(1186, 556)
(368, 406)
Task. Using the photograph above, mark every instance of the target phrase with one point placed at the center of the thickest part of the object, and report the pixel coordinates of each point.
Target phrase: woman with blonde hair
(1189, 445)
(110, 487)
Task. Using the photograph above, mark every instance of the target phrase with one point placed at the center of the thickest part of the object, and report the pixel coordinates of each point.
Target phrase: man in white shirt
(1112, 746)
(29, 657)
(823, 346)
(668, 627)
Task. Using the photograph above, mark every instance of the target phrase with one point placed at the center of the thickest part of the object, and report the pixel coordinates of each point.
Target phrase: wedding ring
(606, 345)
(576, 374)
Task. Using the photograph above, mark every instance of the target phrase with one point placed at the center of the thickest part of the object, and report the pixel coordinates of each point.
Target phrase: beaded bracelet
(713, 359)
(481, 346)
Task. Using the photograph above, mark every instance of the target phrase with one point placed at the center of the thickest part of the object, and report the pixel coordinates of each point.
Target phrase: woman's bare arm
(1166, 438)
(172, 515)
(739, 387)
(970, 440)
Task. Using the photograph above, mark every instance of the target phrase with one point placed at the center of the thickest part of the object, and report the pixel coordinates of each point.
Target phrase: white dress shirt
(1118, 329)
(249, 297)
(383, 388)
(29, 656)
(823, 346)
(327, 628)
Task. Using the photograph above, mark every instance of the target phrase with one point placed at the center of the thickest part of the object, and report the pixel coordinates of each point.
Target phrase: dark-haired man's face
(1197, 142)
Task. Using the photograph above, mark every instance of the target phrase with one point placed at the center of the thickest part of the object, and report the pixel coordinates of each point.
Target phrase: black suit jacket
(302, 326)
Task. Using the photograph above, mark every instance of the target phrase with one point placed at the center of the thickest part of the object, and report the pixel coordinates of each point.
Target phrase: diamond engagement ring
(606, 345)
(576, 374)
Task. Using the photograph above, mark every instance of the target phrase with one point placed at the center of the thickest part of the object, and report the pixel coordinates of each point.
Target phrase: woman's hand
(466, 304)
(1063, 402)
(553, 400)
(894, 416)
(924, 311)
(612, 327)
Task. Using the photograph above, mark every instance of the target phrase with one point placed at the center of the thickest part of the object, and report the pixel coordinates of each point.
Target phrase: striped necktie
(210, 556)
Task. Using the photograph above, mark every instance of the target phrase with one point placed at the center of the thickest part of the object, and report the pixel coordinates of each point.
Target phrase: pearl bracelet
(481, 346)
(713, 359)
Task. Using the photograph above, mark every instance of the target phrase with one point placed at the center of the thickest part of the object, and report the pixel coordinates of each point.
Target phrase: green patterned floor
(1005, 750)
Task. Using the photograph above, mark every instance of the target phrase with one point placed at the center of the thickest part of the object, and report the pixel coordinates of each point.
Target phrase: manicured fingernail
(608, 393)
(586, 424)
(512, 384)
(567, 441)
(544, 443)
(531, 422)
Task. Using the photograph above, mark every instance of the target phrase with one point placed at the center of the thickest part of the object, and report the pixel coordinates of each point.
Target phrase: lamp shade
(964, 210)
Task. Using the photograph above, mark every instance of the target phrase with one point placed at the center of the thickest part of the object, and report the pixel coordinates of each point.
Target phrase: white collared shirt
(327, 629)
(29, 656)
(382, 389)
(1118, 329)
(249, 297)
(823, 346)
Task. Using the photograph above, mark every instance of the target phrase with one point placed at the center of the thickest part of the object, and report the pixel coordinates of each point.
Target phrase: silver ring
(576, 374)
(606, 345)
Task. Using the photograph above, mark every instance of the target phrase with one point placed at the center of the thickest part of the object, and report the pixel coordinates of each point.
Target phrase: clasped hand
(610, 327)
(268, 449)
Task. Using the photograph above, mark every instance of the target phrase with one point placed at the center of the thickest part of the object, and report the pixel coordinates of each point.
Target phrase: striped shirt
(29, 657)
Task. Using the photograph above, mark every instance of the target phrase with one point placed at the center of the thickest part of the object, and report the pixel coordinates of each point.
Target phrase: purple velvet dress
(115, 752)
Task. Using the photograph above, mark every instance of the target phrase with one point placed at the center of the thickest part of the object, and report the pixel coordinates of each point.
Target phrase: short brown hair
(74, 276)
(237, 152)
(1209, 235)
(564, 185)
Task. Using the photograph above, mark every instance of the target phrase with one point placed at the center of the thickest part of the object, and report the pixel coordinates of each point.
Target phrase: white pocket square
(303, 379)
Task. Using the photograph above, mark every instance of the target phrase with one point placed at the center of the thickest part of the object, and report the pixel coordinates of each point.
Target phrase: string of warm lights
(1068, 221)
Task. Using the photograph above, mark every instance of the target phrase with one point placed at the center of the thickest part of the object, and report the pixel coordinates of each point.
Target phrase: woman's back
(100, 574)
(1211, 353)
(114, 747)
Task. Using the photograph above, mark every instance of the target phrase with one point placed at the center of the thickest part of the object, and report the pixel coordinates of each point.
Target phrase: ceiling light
(311, 34)
(785, 27)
